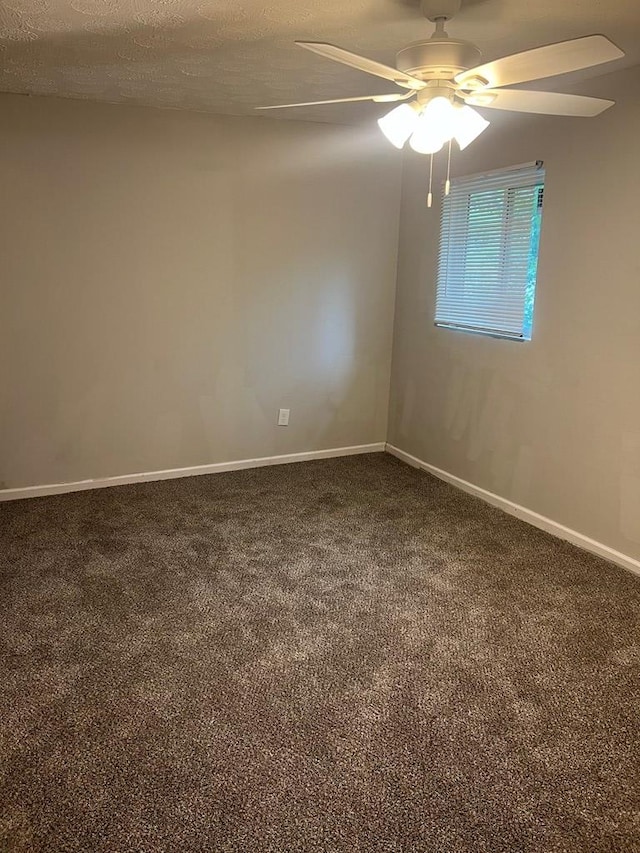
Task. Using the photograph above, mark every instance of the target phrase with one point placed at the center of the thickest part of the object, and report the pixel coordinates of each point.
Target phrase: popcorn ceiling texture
(346, 656)
(227, 56)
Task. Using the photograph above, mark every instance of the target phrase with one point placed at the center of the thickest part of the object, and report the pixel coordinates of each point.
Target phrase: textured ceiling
(227, 56)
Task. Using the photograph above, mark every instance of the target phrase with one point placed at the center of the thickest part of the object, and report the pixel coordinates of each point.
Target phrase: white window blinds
(488, 256)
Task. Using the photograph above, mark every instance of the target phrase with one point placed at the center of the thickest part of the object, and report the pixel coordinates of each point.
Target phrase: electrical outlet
(283, 417)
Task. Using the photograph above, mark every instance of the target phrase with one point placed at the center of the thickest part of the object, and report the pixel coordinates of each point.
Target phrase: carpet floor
(342, 655)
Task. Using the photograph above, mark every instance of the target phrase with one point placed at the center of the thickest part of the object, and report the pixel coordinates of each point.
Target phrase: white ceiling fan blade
(370, 66)
(378, 99)
(547, 61)
(545, 103)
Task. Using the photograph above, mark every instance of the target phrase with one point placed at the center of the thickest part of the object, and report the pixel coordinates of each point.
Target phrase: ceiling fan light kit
(429, 125)
(442, 82)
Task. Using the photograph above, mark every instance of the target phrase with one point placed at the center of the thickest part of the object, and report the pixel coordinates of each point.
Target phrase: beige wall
(553, 424)
(169, 280)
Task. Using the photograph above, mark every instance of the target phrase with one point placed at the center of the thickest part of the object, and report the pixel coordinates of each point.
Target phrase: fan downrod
(440, 10)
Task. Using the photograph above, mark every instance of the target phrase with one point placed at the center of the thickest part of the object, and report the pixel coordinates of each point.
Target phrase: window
(488, 258)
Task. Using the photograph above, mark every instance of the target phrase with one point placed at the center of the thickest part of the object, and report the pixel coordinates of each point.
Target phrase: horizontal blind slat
(487, 250)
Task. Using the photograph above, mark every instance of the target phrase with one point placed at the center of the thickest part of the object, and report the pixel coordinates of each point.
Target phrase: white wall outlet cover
(283, 417)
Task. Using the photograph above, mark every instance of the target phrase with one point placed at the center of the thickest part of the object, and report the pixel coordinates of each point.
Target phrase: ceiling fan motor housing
(437, 58)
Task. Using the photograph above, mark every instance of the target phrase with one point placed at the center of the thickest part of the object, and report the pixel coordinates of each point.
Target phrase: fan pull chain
(430, 194)
(447, 183)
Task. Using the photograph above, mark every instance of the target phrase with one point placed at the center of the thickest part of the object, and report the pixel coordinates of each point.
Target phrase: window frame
(453, 259)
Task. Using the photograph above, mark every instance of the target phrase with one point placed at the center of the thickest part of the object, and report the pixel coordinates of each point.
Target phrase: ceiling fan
(443, 82)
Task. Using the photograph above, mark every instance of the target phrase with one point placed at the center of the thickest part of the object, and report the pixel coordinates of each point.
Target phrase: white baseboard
(174, 473)
(522, 512)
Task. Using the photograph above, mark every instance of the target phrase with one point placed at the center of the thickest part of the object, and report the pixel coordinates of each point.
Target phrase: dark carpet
(345, 655)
